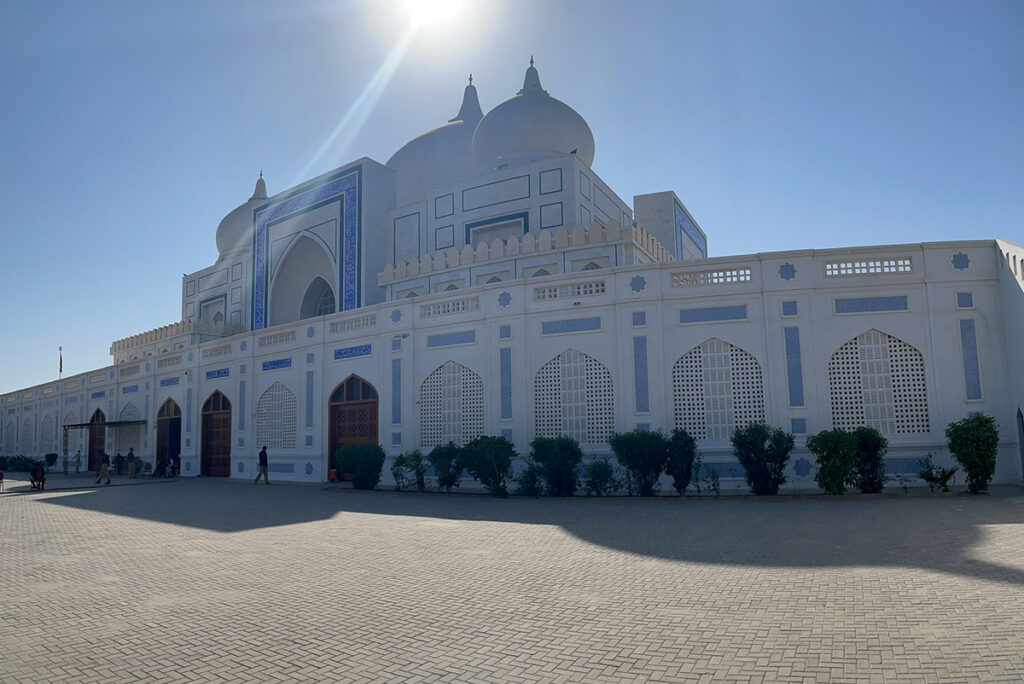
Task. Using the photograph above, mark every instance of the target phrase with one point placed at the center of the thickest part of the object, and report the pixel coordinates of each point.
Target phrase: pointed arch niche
(451, 406)
(353, 414)
(573, 396)
(717, 387)
(301, 282)
(168, 432)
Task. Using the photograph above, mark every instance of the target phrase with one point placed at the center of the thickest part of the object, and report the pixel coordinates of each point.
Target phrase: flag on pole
(60, 350)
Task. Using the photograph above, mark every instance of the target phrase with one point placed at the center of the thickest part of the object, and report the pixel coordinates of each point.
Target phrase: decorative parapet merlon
(531, 243)
(166, 332)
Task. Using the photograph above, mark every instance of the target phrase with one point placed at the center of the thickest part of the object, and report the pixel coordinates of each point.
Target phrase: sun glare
(433, 11)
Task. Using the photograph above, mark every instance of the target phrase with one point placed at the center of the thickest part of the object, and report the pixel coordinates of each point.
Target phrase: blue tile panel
(396, 439)
(711, 314)
(396, 344)
(309, 399)
(241, 406)
(570, 325)
(902, 466)
(789, 309)
(871, 304)
(643, 403)
(504, 332)
(446, 339)
(964, 300)
(507, 433)
(798, 426)
(353, 352)
(724, 470)
(972, 372)
(794, 370)
(505, 360)
(188, 409)
(309, 442)
(219, 373)
(639, 318)
(309, 358)
(129, 389)
(281, 467)
(98, 395)
(277, 364)
(396, 391)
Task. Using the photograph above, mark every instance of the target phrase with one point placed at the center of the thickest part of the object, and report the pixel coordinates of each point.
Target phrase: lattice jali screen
(451, 406)
(46, 434)
(26, 436)
(129, 436)
(877, 380)
(275, 418)
(716, 387)
(573, 396)
(10, 438)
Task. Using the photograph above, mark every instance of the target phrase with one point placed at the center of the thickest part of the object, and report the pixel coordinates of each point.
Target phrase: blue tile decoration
(643, 404)
(241, 369)
(242, 345)
(643, 427)
(507, 433)
(570, 325)
(789, 309)
(396, 344)
(960, 261)
(241, 465)
(147, 386)
(110, 375)
(241, 405)
(345, 188)
(310, 357)
(787, 271)
(309, 467)
(129, 389)
(190, 356)
(446, 339)
(638, 284)
(310, 332)
(711, 314)
(396, 315)
(396, 439)
(396, 391)
(725, 470)
(685, 225)
(98, 395)
(871, 304)
(802, 467)
(902, 466)
(505, 362)
(964, 300)
(972, 371)
(794, 369)
(216, 374)
(504, 299)
(639, 318)
(309, 440)
(798, 426)
(309, 399)
(147, 366)
(188, 464)
(504, 332)
(281, 468)
(277, 364)
(188, 410)
(353, 352)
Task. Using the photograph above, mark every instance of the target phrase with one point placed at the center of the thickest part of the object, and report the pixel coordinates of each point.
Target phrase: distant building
(486, 281)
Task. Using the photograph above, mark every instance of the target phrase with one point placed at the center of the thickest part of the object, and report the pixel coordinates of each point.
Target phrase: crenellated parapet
(530, 243)
(165, 332)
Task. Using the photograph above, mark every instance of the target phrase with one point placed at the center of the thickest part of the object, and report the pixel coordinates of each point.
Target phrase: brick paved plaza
(213, 580)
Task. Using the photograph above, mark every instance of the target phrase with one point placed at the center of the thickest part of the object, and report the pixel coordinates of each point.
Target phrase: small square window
(639, 318)
(964, 300)
(789, 309)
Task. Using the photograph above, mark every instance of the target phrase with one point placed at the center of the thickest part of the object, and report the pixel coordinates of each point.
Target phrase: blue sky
(129, 129)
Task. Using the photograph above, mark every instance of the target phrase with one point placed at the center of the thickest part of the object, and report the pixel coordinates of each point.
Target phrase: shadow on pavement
(930, 532)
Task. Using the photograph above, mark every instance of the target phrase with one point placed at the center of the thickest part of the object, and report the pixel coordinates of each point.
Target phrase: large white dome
(235, 229)
(532, 125)
(439, 156)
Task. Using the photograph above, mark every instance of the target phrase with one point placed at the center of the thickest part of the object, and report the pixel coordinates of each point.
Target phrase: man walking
(104, 468)
(263, 468)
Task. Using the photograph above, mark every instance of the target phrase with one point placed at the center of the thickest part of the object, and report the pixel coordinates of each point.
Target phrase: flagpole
(60, 368)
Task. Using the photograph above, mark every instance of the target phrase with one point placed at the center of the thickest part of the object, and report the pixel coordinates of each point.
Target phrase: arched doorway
(215, 455)
(353, 418)
(168, 432)
(97, 439)
(318, 300)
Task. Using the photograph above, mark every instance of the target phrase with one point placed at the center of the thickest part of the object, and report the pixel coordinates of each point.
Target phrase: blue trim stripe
(241, 406)
(794, 370)
(871, 304)
(309, 399)
(505, 361)
(972, 370)
(446, 339)
(353, 352)
(643, 404)
(396, 391)
(570, 325)
(711, 314)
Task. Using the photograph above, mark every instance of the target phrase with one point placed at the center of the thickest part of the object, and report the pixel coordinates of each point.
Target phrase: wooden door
(97, 439)
(215, 455)
(353, 415)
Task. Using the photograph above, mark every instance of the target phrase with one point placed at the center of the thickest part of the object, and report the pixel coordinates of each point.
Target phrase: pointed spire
(470, 110)
(531, 84)
(260, 193)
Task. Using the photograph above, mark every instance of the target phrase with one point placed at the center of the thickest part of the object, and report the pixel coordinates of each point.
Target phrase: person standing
(263, 468)
(133, 462)
(104, 468)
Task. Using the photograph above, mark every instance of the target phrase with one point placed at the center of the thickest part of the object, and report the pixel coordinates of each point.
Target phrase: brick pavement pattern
(213, 580)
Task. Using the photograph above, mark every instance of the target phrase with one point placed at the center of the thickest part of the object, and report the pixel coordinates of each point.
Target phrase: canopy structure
(106, 424)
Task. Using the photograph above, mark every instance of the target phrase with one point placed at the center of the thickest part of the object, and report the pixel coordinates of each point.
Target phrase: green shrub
(704, 478)
(599, 478)
(410, 470)
(974, 443)
(557, 459)
(488, 459)
(936, 476)
(643, 453)
(763, 451)
(682, 449)
(837, 459)
(16, 464)
(871, 448)
(446, 459)
(364, 461)
(528, 481)
(51, 460)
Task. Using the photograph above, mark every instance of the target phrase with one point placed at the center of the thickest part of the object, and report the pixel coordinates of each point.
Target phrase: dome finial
(260, 193)
(531, 60)
(470, 110)
(471, 79)
(531, 84)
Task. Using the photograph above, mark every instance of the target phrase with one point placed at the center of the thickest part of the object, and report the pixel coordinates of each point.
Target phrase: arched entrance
(97, 439)
(353, 418)
(168, 432)
(215, 455)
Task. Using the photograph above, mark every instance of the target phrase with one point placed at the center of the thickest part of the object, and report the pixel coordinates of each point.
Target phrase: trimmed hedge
(488, 459)
(974, 443)
(364, 461)
(763, 451)
(557, 459)
(643, 454)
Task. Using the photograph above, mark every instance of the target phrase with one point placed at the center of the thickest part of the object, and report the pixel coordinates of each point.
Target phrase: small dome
(235, 229)
(532, 125)
(439, 156)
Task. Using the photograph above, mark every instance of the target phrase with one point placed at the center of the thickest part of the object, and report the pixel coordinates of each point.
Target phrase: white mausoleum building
(485, 280)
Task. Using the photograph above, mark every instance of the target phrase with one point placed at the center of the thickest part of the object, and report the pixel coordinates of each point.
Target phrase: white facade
(525, 299)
